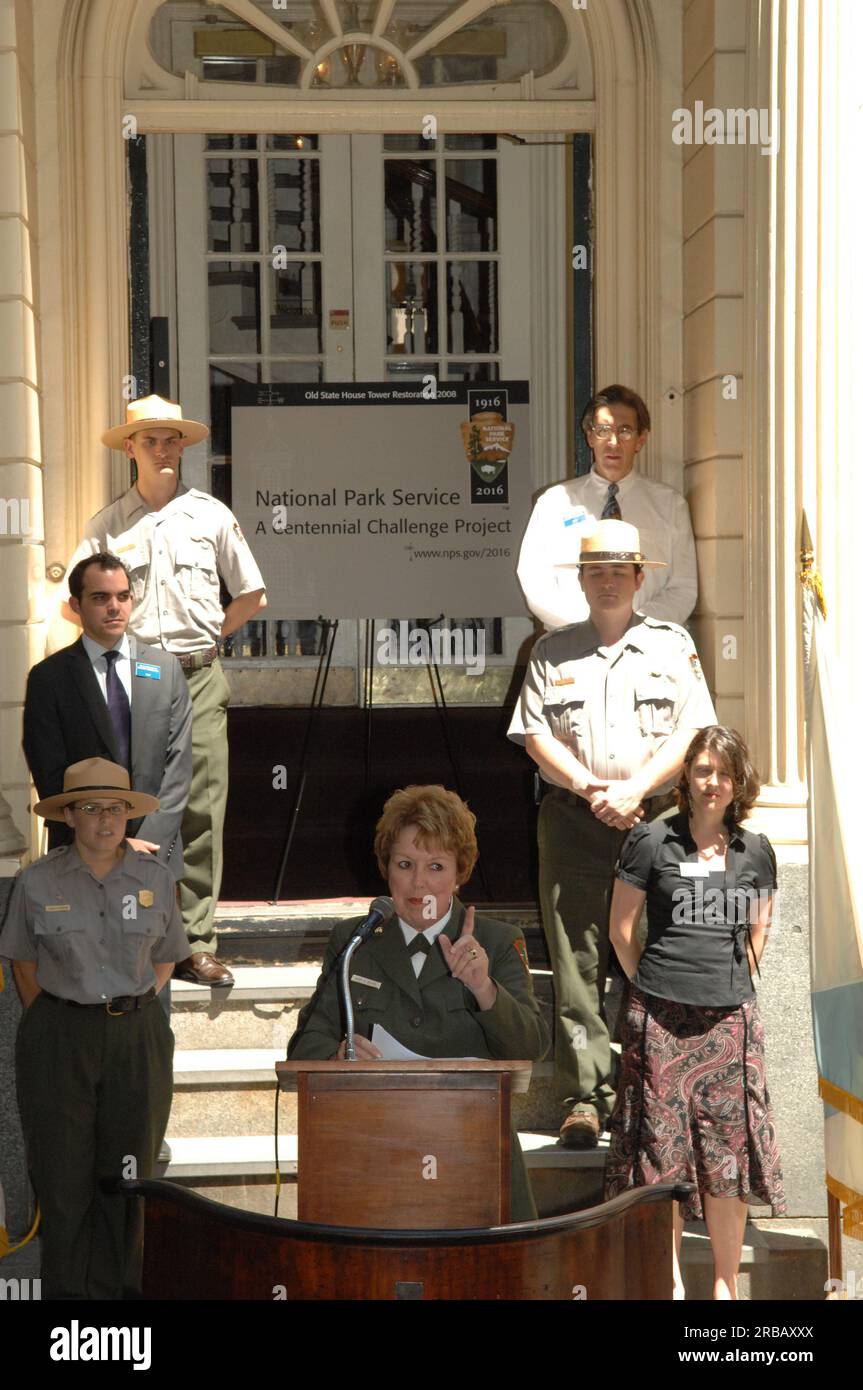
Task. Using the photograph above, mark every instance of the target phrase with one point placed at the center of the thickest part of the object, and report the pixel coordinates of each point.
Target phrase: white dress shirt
(567, 511)
(96, 654)
(431, 935)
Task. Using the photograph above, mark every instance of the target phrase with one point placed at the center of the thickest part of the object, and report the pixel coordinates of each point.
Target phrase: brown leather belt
(196, 661)
(123, 1004)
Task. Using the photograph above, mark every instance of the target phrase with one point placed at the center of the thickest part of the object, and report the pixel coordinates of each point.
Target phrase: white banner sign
(364, 500)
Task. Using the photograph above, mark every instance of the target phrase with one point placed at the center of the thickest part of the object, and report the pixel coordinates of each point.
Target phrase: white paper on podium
(394, 1051)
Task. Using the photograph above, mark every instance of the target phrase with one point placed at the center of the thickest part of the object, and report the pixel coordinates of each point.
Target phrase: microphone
(380, 911)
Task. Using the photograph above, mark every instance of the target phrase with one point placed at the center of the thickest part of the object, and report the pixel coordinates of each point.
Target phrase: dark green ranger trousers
(577, 855)
(94, 1092)
(204, 817)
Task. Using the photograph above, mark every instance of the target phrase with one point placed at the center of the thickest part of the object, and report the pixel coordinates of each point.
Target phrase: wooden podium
(404, 1145)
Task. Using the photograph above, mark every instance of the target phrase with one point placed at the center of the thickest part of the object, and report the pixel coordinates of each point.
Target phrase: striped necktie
(611, 510)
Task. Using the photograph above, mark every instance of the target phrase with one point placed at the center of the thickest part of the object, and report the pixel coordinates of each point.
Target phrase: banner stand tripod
(330, 627)
(440, 705)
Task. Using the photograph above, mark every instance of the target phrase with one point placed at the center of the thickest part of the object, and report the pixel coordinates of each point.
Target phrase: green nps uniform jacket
(434, 1014)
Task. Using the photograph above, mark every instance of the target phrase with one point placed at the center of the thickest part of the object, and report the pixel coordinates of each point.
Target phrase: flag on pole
(834, 768)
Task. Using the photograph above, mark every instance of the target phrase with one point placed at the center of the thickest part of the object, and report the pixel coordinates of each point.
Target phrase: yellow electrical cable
(10, 1249)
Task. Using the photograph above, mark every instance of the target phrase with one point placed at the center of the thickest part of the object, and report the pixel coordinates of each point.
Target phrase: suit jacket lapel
(139, 703)
(435, 965)
(87, 686)
(392, 956)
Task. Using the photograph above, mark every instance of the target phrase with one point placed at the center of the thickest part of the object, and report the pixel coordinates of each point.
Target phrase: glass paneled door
(309, 258)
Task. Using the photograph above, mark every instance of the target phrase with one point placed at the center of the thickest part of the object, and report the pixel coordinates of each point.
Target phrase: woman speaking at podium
(438, 979)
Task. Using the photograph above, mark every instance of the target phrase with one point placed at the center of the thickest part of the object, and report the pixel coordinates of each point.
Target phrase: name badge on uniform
(146, 669)
(362, 980)
(697, 870)
(146, 897)
(578, 516)
(59, 907)
(564, 680)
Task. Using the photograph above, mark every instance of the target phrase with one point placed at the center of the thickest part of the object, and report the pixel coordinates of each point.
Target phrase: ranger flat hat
(612, 543)
(96, 777)
(152, 411)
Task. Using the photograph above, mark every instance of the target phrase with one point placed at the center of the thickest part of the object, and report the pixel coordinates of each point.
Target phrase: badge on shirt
(146, 669)
(146, 897)
(238, 533)
(565, 680)
(59, 907)
(364, 980)
(578, 517)
(696, 667)
(696, 870)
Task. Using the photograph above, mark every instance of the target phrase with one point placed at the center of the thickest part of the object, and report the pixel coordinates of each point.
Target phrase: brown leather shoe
(202, 968)
(581, 1128)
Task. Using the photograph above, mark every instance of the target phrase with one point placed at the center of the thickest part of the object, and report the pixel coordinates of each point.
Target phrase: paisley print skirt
(692, 1104)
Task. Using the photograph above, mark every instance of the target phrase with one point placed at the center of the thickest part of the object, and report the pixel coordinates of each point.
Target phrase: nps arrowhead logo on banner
(488, 438)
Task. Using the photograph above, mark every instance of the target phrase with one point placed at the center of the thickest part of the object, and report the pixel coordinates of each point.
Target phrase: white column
(22, 559)
(799, 373)
(549, 271)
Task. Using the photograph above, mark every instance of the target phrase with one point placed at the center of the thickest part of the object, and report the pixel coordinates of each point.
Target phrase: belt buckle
(115, 1013)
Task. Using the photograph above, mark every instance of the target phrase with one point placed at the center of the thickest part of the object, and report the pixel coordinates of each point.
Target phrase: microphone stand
(350, 1050)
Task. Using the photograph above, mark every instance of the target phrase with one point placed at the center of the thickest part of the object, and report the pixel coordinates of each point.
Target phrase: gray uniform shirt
(613, 707)
(94, 939)
(175, 557)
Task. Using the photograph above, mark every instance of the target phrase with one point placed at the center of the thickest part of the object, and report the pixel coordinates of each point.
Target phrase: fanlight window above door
(369, 46)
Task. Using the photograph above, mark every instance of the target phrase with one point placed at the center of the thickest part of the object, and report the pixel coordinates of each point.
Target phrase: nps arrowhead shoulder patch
(520, 948)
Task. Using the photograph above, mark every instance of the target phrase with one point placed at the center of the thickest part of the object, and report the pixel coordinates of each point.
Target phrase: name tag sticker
(59, 907)
(150, 672)
(578, 516)
(362, 980)
(696, 870)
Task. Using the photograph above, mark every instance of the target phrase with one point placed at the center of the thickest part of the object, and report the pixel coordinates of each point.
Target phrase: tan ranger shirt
(94, 939)
(175, 557)
(613, 707)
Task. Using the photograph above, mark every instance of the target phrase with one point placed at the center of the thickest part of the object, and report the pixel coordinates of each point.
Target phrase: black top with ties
(698, 918)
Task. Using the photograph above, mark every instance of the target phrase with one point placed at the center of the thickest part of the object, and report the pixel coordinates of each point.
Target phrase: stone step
(251, 933)
(266, 983)
(252, 1155)
(212, 1066)
(224, 1091)
(260, 1009)
(781, 1259)
(252, 983)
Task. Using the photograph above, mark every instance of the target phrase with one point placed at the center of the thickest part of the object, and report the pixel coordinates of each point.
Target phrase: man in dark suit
(110, 696)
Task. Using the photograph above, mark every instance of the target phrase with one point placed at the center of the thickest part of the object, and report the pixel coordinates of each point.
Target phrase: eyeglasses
(623, 432)
(117, 808)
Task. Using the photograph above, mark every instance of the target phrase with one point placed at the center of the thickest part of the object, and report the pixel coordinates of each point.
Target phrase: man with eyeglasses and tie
(93, 931)
(616, 423)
